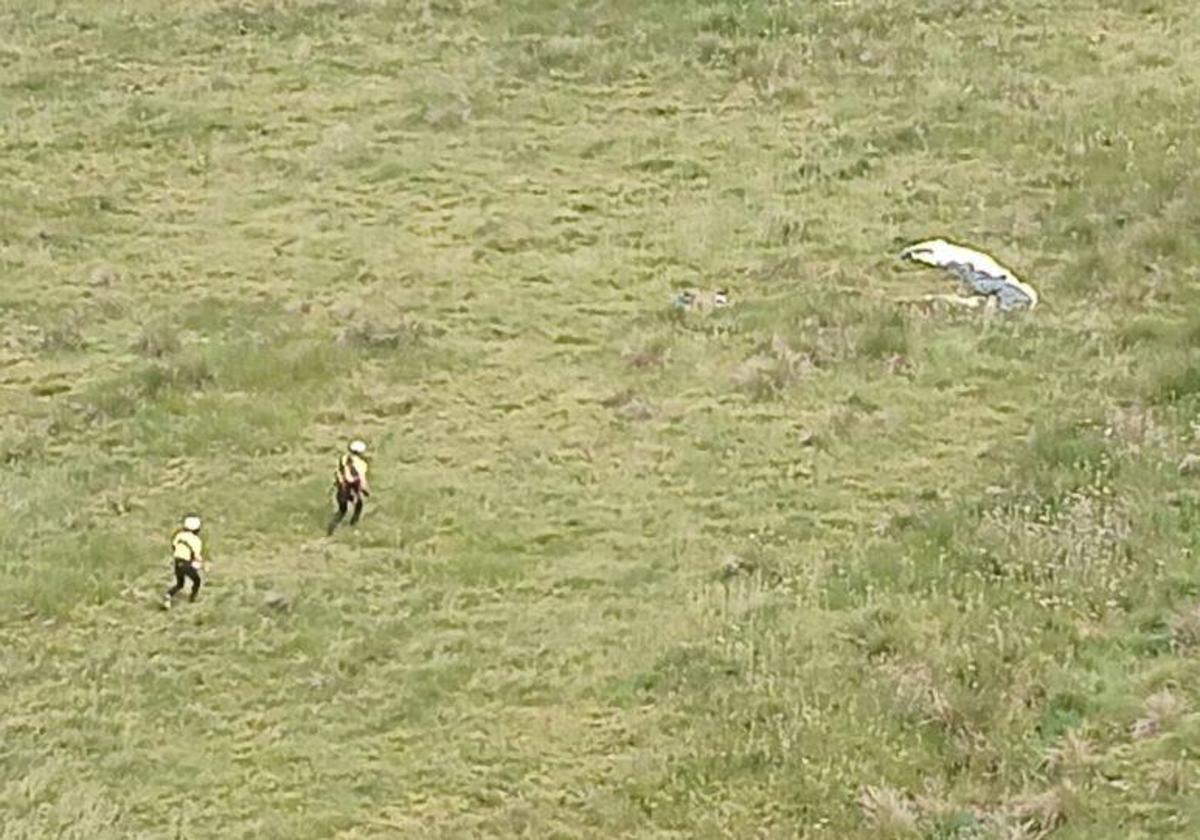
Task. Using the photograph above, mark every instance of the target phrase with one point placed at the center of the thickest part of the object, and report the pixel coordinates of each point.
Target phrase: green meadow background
(818, 565)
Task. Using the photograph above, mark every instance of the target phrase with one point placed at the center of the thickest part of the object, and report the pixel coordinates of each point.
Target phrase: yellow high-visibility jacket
(186, 546)
(351, 471)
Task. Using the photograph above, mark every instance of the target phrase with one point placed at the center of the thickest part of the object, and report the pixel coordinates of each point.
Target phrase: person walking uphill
(350, 481)
(188, 552)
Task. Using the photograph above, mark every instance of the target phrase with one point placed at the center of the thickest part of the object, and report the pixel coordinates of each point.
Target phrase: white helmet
(358, 447)
(191, 523)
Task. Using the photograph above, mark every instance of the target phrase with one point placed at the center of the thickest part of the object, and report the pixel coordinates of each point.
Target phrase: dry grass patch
(773, 368)
(1185, 627)
(1073, 756)
(888, 811)
(1160, 712)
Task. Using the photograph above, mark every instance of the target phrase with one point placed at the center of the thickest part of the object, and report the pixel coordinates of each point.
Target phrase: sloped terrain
(815, 565)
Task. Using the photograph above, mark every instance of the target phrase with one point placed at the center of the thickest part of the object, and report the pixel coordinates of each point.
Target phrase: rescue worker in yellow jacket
(350, 483)
(188, 553)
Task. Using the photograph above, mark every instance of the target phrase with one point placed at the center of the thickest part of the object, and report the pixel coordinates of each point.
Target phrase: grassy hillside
(818, 565)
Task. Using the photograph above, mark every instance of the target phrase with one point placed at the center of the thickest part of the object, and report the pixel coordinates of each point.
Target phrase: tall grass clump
(61, 332)
(884, 336)
(185, 374)
(79, 569)
(385, 333)
(772, 369)
(157, 339)
(1175, 378)
(279, 363)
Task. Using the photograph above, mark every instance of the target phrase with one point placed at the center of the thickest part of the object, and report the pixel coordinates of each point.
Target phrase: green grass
(817, 565)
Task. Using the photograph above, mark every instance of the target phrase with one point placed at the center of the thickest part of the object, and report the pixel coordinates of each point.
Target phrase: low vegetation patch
(818, 563)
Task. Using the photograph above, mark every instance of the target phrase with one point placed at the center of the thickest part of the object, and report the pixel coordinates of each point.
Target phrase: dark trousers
(185, 571)
(346, 494)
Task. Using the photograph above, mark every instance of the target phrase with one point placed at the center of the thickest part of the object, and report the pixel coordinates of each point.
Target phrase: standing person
(350, 480)
(188, 552)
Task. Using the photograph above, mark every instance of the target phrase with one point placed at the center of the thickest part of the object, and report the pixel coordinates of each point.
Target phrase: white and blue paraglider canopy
(987, 280)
